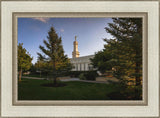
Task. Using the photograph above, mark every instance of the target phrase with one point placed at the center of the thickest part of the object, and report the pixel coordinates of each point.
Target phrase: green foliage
(91, 75)
(122, 53)
(24, 58)
(33, 68)
(126, 93)
(103, 61)
(75, 73)
(128, 34)
(54, 59)
(88, 75)
(41, 66)
(82, 76)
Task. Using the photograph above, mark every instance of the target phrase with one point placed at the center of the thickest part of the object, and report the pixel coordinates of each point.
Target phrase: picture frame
(11, 107)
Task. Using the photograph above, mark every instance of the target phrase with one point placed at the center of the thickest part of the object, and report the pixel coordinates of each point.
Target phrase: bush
(82, 76)
(75, 73)
(91, 75)
(127, 93)
(88, 75)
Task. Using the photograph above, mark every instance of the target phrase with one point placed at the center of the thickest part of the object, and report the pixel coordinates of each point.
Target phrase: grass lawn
(30, 89)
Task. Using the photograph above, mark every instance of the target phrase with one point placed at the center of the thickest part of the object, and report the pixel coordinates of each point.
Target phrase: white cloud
(44, 20)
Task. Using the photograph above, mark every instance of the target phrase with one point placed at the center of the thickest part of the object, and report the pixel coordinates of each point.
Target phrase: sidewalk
(65, 80)
(77, 79)
(33, 77)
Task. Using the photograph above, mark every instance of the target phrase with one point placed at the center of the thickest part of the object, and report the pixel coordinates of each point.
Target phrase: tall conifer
(54, 55)
(24, 60)
(128, 35)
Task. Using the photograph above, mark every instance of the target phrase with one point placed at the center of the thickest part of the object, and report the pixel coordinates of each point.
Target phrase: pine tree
(24, 60)
(124, 51)
(123, 54)
(54, 55)
(128, 34)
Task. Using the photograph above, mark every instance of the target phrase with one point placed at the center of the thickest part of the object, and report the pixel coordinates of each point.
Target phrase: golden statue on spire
(75, 38)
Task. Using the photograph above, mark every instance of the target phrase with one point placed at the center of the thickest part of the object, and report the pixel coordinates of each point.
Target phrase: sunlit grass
(30, 89)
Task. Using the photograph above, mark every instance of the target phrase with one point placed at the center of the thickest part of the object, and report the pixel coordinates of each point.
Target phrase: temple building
(80, 63)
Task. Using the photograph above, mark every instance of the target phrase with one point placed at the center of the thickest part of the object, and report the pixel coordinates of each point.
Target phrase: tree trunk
(54, 74)
(20, 75)
(138, 81)
(40, 74)
(137, 70)
(55, 81)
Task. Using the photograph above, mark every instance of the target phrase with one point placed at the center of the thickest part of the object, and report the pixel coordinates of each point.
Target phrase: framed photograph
(79, 59)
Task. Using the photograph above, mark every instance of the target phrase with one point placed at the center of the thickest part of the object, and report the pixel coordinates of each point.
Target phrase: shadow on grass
(122, 96)
(54, 85)
(23, 81)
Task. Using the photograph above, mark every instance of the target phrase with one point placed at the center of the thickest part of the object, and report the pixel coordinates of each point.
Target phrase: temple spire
(75, 38)
(75, 52)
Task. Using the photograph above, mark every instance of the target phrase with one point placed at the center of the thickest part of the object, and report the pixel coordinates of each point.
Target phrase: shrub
(88, 75)
(127, 93)
(91, 75)
(76, 73)
(82, 76)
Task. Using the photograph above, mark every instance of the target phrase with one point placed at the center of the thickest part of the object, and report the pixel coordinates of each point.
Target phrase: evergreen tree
(24, 60)
(54, 55)
(40, 66)
(125, 54)
(102, 61)
(128, 35)
(124, 51)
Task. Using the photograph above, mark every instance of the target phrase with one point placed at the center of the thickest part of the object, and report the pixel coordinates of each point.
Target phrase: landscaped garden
(32, 89)
(113, 73)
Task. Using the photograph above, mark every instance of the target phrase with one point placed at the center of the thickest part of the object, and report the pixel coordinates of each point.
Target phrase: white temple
(80, 63)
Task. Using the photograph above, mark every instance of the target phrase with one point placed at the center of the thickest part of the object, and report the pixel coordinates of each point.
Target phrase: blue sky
(90, 32)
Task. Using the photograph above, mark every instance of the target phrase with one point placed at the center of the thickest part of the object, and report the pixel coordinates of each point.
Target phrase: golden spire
(75, 38)
(75, 52)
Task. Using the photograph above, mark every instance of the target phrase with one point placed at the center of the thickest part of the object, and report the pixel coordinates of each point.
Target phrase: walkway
(65, 80)
(33, 78)
(77, 79)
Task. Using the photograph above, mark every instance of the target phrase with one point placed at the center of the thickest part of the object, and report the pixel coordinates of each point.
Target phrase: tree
(42, 67)
(128, 35)
(124, 51)
(125, 54)
(33, 68)
(24, 60)
(54, 55)
(102, 61)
